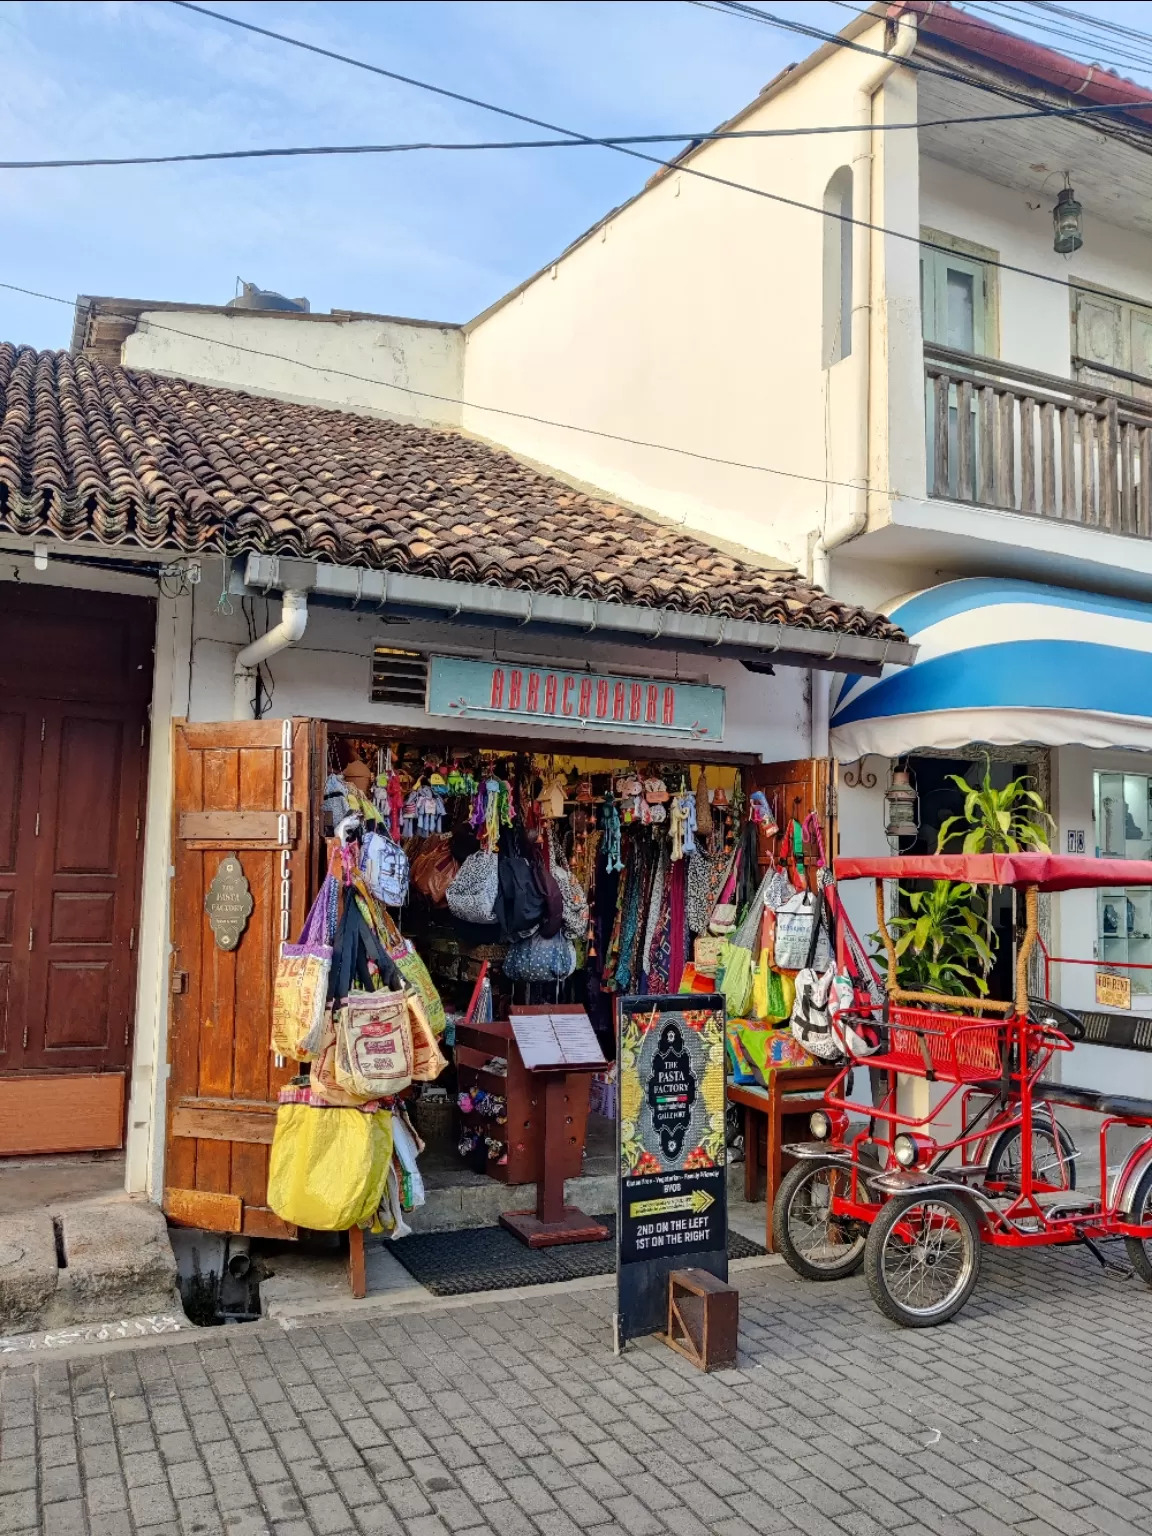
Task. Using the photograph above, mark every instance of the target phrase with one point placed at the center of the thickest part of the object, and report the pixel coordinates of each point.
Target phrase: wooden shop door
(75, 680)
(793, 789)
(245, 790)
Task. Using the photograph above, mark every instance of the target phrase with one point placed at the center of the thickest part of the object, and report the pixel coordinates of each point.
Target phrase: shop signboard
(1113, 991)
(672, 1204)
(576, 700)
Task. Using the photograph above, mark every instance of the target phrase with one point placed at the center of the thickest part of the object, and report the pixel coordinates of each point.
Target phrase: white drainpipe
(293, 621)
(861, 347)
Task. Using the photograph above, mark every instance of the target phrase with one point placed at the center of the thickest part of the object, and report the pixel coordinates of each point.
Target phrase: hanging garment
(655, 897)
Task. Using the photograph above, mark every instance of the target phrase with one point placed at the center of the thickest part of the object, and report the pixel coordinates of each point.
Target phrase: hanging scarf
(659, 876)
(611, 825)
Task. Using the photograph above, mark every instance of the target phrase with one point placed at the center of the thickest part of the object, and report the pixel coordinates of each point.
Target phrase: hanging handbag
(373, 1044)
(799, 931)
(472, 895)
(402, 952)
(300, 989)
(540, 959)
(434, 868)
(384, 865)
(821, 993)
(324, 1088)
(428, 1061)
(328, 1168)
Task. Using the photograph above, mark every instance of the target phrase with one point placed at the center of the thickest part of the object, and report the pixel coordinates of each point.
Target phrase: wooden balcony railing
(1021, 441)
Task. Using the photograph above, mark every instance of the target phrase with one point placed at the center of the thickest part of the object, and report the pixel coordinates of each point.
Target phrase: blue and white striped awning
(1006, 662)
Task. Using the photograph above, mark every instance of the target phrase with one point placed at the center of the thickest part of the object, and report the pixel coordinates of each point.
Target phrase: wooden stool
(703, 1318)
(771, 1109)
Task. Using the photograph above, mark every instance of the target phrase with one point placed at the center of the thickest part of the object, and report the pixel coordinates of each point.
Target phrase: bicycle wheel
(1140, 1248)
(922, 1258)
(1006, 1160)
(814, 1242)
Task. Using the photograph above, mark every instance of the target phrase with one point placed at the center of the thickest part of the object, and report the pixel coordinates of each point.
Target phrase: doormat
(491, 1259)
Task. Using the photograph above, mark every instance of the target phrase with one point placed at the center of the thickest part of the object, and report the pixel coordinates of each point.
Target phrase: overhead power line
(472, 405)
(918, 66)
(607, 141)
(677, 165)
(1022, 15)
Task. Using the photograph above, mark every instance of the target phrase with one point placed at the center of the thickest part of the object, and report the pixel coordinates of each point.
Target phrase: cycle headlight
(820, 1124)
(904, 1150)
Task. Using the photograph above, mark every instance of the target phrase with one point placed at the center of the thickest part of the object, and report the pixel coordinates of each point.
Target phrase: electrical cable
(424, 394)
(677, 165)
(918, 66)
(608, 141)
(1020, 15)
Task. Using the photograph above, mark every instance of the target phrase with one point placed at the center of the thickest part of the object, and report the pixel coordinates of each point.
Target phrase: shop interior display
(465, 886)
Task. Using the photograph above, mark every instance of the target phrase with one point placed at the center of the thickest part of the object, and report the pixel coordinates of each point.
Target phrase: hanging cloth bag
(374, 1044)
(384, 865)
(472, 895)
(402, 952)
(541, 959)
(328, 1167)
(428, 1061)
(821, 995)
(300, 989)
(799, 931)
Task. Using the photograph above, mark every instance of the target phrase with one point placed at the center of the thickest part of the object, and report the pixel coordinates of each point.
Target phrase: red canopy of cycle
(1048, 871)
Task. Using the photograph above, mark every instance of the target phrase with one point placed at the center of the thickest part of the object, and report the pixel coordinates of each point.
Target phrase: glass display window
(1123, 811)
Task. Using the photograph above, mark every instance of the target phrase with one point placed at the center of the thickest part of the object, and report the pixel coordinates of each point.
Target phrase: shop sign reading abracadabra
(496, 690)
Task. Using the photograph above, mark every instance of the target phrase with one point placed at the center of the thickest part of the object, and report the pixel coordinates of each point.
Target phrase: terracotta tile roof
(93, 451)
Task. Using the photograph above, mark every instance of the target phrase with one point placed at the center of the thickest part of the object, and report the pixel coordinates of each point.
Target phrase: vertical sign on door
(672, 1204)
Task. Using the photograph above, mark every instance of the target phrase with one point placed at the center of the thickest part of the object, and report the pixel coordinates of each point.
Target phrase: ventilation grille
(399, 677)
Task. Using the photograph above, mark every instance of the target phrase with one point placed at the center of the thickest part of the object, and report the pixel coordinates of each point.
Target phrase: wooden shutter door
(243, 788)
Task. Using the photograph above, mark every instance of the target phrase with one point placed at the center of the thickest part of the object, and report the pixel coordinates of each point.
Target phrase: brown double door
(75, 679)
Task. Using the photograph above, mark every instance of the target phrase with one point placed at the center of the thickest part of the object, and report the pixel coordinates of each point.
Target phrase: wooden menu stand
(558, 1047)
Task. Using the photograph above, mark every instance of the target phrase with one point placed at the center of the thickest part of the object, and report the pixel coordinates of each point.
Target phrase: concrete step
(85, 1261)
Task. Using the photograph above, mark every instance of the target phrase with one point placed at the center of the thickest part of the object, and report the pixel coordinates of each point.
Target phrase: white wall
(1074, 923)
(692, 317)
(1035, 324)
(357, 365)
(328, 676)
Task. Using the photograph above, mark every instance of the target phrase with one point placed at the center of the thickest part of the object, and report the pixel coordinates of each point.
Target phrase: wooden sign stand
(557, 1045)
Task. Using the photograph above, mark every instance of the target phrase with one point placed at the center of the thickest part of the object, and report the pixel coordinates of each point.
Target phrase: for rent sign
(575, 700)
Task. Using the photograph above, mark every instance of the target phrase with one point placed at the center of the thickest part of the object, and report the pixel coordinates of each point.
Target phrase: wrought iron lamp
(1067, 221)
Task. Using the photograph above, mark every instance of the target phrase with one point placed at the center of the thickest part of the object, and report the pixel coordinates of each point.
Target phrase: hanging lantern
(901, 807)
(1067, 222)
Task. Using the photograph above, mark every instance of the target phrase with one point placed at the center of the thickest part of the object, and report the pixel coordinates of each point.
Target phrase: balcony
(1015, 440)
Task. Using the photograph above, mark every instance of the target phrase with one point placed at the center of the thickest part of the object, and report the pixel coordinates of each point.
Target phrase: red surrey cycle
(914, 1196)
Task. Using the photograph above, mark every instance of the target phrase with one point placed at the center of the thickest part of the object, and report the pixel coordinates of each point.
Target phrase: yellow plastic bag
(328, 1167)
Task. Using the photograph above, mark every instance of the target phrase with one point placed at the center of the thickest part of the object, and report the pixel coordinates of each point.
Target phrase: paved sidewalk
(1031, 1413)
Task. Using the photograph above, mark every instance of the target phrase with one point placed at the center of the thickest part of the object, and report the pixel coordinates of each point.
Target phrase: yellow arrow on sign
(697, 1201)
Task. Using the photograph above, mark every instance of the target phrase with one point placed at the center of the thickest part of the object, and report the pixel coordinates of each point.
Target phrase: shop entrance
(273, 794)
(75, 680)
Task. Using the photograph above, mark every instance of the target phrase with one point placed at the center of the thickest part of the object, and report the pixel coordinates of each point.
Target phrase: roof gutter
(463, 602)
(944, 22)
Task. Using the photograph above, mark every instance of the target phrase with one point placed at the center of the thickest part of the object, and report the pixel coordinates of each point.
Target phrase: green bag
(735, 978)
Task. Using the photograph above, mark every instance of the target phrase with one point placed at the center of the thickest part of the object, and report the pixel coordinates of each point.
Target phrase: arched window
(837, 334)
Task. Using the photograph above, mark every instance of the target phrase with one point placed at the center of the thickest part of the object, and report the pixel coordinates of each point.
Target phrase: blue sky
(431, 235)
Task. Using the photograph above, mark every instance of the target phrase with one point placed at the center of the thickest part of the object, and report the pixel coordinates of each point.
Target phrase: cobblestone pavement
(1030, 1413)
